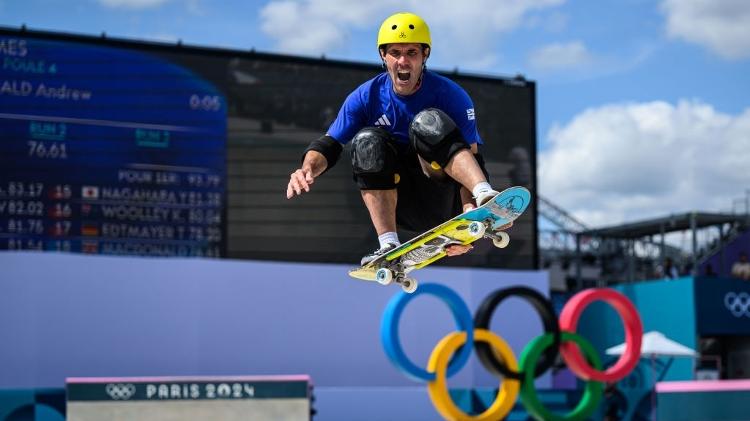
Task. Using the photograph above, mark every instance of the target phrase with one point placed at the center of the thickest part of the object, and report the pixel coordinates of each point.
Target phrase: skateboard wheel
(409, 285)
(476, 229)
(502, 241)
(384, 276)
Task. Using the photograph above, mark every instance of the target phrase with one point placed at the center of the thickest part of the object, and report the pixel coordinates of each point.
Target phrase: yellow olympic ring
(438, 389)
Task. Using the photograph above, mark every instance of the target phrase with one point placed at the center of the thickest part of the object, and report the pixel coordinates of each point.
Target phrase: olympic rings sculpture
(517, 377)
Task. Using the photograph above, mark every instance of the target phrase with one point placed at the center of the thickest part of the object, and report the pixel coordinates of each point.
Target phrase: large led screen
(120, 147)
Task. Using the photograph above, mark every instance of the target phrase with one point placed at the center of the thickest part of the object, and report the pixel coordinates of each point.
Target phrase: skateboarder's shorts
(423, 202)
(381, 163)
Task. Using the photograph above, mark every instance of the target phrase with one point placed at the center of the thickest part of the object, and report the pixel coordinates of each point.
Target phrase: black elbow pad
(328, 147)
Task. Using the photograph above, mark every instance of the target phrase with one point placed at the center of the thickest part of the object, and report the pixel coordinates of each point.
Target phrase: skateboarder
(415, 145)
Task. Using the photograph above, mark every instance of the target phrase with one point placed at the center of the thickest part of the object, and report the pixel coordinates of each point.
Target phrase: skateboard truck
(385, 276)
(500, 239)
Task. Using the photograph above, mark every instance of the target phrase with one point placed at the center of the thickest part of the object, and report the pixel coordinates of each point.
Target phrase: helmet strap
(421, 74)
(424, 63)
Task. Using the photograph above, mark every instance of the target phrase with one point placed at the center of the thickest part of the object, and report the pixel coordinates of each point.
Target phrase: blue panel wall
(666, 306)
(700, 406)
(71, 315)
(722, 306)
(36, 405)
(669, 307)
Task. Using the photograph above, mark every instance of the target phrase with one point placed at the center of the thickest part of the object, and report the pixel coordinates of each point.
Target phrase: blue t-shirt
(374, 103)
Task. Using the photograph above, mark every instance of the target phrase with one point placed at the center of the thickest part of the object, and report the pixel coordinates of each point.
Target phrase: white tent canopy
(656, 344)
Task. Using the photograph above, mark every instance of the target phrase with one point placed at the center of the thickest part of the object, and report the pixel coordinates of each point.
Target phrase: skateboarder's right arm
(300, 180)
(320, 155)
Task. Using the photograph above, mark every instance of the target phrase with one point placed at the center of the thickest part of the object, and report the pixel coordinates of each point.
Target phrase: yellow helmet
(404, 28)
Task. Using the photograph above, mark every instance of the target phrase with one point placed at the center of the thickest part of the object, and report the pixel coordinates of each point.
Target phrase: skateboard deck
(429, 247)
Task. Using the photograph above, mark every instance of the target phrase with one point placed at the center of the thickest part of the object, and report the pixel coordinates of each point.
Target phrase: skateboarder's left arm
(457, 249)
(467, 200)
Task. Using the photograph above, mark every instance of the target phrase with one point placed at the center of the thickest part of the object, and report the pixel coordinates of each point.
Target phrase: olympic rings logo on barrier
(498, 358)
(120, 391)
(738, 303)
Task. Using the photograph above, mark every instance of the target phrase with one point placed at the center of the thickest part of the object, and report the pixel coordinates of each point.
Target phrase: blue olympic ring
(392, 343)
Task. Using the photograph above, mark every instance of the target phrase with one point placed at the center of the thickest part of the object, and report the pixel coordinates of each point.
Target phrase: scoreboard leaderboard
(108, 151)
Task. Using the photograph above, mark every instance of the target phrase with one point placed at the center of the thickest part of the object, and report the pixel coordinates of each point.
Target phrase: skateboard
(429, 247)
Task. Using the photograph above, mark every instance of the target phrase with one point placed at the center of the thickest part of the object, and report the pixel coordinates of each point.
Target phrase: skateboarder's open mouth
(404, 76)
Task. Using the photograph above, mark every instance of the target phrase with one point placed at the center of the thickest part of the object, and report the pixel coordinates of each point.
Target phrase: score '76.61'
(49, 150)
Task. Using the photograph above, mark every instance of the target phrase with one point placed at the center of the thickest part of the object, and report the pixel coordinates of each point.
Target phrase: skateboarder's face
(404, 64)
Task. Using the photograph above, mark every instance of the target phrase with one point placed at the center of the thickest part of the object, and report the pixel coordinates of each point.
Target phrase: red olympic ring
(633, 334)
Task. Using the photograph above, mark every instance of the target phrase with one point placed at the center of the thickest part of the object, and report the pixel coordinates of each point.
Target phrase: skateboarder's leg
(374, 159)
(375, 162)
(463, 168)
(382, 207)
(441, 147)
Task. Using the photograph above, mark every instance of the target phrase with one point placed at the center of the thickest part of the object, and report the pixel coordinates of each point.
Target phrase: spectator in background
(615, 403)
(708, 271)
(741, 268)
(668, 270)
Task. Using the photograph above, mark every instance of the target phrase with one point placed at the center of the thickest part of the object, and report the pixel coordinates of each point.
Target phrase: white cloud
(312, 27)
(195, 8)
(559, 56)
(722, 26)
(467, 31)
(554, 22)
(574, 62)
(132, 4)
(625, 162)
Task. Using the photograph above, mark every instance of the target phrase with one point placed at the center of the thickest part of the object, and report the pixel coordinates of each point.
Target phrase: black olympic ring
(543, 306)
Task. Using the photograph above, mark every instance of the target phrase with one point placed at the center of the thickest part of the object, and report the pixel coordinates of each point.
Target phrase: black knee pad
(374, 159)
(435, 136)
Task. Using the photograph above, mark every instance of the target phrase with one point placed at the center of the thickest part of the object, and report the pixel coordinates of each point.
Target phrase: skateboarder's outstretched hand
(298, 181)
(458, 249)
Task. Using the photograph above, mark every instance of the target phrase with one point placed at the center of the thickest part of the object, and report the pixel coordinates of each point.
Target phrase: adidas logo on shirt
(383, 121)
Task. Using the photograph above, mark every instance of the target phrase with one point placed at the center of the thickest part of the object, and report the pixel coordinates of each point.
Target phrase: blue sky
(643, 106)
